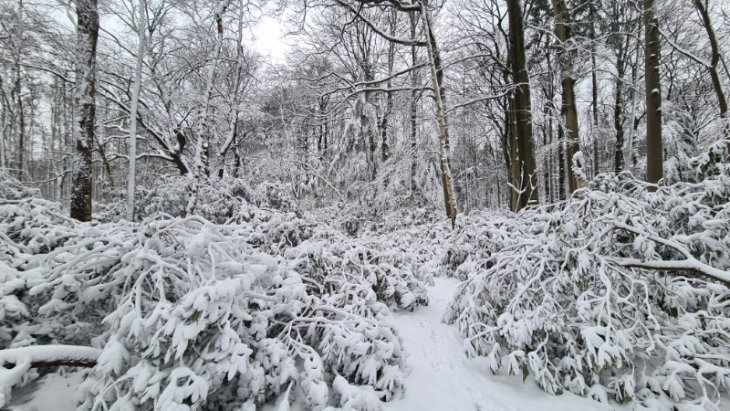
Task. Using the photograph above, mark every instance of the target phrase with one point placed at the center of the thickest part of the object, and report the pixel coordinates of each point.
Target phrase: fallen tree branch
(51, 355)
(690, 263)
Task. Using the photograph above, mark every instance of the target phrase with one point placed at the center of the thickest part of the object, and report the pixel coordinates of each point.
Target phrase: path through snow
(442, 378)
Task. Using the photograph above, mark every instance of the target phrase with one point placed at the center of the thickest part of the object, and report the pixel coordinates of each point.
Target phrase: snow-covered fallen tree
(618, 293)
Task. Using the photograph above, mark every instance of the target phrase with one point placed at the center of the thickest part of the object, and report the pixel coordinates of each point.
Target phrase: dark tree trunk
(568, 110)
(524, 176)
(618, 117)
(654, 146)
(87, 35)
(714, 61)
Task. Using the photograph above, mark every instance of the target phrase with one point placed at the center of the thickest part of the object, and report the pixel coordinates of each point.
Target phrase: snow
(49, 353)
(442, 378)
(52, 392)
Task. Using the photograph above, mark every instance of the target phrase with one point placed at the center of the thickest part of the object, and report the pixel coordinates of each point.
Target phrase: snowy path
(442, 378)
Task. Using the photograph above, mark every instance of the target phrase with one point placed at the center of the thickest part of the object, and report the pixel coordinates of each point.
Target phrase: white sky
(268, 39)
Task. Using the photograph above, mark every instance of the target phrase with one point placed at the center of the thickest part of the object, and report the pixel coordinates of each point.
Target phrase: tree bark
(413, 17)
(524, 177)
(654, 146)
(136, 88)
(568, 110)
(202, 149)
(618, 114)
(87, 34)
(384, 146)
(714, 61)
(594, 88)
(439, 91)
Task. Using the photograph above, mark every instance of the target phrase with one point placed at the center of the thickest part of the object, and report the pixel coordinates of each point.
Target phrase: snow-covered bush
(351, 273)
(12, 189)
(202, 320)
(366, 267)
(273, 231)
(620, 293)
(219, 200)
(190, 313)
(15, 317)
(32, 225)
(275, 196)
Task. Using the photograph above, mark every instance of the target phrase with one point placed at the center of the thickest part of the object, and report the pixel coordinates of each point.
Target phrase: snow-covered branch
(51, 355)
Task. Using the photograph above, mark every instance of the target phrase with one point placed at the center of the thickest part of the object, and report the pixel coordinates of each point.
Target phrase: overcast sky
(269, 39)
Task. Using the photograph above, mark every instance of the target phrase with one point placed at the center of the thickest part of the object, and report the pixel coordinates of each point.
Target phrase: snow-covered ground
(52, 392)
(442, 378)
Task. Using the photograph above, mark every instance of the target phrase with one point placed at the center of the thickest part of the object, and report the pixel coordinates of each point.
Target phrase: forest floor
(440, 376)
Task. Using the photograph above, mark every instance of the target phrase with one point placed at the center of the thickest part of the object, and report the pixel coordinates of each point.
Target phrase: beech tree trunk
(654, 146)
(87, 34)
(568, 109)
(524, 177)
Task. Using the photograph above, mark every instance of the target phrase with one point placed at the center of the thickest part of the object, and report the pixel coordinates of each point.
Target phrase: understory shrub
(193, 314)
(619, 293)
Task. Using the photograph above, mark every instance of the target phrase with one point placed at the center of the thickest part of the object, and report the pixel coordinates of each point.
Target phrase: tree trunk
(524, 177)
(439, 91)
(132, 172)
(714, 61)
(561, 165)
(87, 34)
(384, 147)
(17, 97)
(568, 109)
(594, 88)
(413, 17)
(654, 146)
(4, 124)
(618, 116)
(202, 149)
(547, 140)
